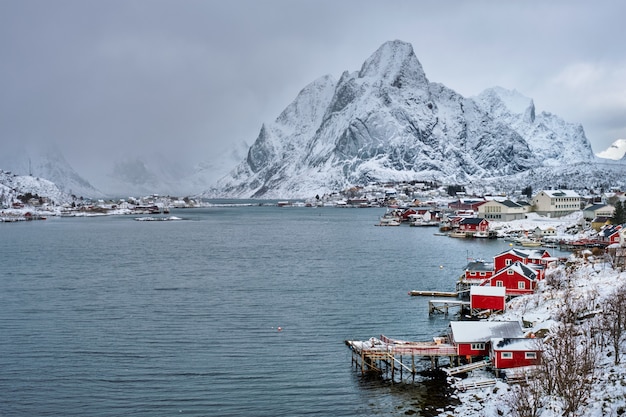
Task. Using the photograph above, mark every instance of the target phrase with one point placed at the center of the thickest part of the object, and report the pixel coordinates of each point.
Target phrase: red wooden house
(610, 234)
(471, 225)
(514, 352)
(517, 279)
(539, 257)
(487, 298)
(473, 338)
(478, 271)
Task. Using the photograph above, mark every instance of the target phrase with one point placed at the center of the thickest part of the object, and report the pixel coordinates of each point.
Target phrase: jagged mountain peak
(396, 63)
(387, 122)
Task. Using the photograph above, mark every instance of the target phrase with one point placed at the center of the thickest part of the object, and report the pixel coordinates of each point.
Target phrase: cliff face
(387, 122)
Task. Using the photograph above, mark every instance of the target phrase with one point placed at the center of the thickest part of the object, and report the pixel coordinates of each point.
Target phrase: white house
(556, 203)
(504, 211)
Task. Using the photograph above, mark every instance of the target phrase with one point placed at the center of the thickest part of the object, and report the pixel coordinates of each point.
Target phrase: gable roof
(483, 331)
(511, 204)
(609, 230)
(595, 207)
(479, 266)
(472, 220)
(526, 253)
(520, 268)
(515, 344)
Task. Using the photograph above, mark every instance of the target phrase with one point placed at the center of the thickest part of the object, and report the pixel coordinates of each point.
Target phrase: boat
(388, 221)
(530, 243)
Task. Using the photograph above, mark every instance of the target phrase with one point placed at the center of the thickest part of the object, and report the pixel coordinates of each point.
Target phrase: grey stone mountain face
(387, 122)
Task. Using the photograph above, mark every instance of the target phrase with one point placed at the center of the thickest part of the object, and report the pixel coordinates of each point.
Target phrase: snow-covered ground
(587, 278)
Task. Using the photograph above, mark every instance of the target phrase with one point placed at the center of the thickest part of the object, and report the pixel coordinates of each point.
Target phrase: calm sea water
(109, 316)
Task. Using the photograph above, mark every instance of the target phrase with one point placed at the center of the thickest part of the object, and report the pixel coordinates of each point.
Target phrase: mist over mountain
(47, 163)
(388, 122)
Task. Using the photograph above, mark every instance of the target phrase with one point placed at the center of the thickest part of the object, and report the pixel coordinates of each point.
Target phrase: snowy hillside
(387, 122)
(12, 186)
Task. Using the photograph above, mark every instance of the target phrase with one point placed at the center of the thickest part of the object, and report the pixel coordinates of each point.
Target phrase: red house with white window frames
(517, 279)
(473, 338)
(610, 234)
(473, 225)
(514, 352)
(526, 256)
(478, 271)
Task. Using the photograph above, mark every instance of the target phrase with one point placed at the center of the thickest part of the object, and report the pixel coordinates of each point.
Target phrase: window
(530, 355)
(521, 285)
(478, 346)
(507, 355)
(482, 274)
(499, 283)
(508, 262)
(509, 272)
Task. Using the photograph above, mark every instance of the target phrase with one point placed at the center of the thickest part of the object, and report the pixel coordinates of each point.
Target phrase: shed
(487, 298)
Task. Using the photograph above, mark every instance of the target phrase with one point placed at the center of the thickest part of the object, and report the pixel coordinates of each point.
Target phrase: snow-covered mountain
(12, 186)
(388, 122)
(50, 164)
(616, 151)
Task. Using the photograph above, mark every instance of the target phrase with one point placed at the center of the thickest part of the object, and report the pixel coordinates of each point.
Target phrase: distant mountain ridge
(388, 122)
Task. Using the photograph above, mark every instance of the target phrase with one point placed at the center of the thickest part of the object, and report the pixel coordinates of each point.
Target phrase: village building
(514, 352)
(610, 234)
(539, 257)
(598, 210)
(505, 211)
(556, 203)
(487, 298)
(472, 339)
(478, 271)
(517, 279)
(473, 226)
(466, 204)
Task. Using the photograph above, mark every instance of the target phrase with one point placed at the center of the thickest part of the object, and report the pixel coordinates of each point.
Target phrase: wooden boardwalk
(442, 306)
(418, 293)
(467, 368)
(396, 357)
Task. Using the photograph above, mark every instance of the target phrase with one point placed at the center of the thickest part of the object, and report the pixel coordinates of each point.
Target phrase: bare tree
(614, 319)
(569, 359)
(525, 398)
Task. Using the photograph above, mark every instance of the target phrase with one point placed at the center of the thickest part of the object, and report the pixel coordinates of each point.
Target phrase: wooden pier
(442, 306)
(416, 293)
(396, 358)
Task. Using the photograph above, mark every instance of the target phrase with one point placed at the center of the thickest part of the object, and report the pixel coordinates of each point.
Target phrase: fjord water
(107, 316)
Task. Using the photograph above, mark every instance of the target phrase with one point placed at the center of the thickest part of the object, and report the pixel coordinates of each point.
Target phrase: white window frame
(478, 346)
(530, 355)
(521, 285)
(506, 355)
(499, 283)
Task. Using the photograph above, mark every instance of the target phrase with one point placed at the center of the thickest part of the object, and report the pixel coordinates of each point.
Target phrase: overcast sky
(191, 78)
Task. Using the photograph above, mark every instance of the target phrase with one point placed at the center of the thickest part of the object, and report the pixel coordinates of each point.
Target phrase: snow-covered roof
(479, 266)
(483, 331)
(515, 344)
(487, 290)
(561, 193)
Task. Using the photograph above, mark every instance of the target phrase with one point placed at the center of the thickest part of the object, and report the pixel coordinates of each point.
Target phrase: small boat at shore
(530, 243)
